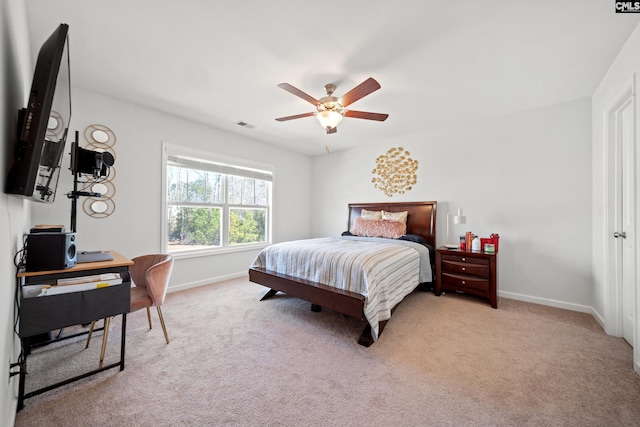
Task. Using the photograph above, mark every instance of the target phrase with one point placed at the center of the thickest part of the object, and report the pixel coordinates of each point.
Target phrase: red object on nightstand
(496, 238)
(493, 239)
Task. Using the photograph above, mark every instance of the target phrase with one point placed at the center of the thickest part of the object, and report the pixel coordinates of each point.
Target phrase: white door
(622, 213)
(627, 211)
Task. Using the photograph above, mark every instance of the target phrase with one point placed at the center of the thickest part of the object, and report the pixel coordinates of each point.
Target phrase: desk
(43, 314)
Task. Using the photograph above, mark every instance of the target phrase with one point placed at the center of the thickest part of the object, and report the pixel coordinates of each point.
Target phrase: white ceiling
(439, 63)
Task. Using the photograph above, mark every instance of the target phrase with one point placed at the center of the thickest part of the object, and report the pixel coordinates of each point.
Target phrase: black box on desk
(50, 251)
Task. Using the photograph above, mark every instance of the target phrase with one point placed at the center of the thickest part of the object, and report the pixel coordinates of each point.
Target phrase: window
(214, 203)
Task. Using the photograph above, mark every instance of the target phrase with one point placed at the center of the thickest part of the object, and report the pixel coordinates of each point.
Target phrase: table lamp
(457, 218)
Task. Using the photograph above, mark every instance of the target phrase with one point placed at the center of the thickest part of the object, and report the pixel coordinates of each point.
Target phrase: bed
(320, 292)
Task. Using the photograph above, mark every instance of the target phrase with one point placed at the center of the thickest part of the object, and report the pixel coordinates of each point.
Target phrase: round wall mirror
(53, 123)
(99, 206)
(100, 136)
(99, 188)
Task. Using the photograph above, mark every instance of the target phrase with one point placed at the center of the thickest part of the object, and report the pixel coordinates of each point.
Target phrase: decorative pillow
(378, 228)
(371, 214)
(395, 216)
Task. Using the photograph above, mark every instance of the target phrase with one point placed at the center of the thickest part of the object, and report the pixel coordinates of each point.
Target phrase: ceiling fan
(330, 109)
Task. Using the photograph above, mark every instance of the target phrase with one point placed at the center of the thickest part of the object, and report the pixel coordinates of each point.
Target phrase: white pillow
(370, 214)
(395, 216)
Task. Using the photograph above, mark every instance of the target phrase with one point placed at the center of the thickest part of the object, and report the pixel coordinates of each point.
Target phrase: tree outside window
(210, 209)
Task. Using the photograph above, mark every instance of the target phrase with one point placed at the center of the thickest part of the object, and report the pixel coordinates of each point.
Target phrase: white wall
(525, 176)
(135, 227)
(15, 75)
(623, 72)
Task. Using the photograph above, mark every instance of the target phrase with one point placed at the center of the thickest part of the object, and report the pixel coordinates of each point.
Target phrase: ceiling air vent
(245, 125)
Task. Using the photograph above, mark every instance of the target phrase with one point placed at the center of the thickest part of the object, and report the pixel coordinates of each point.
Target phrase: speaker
(50, 251)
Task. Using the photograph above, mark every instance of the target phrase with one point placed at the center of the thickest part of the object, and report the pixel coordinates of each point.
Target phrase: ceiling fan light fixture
(329, 118)
(330, 110)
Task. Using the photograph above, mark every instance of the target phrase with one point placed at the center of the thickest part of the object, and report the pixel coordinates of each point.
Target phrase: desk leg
(23, 373)
(105, 335)
(122, 342)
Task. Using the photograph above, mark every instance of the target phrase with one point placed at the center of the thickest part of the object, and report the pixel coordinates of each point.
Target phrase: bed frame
(421, 220)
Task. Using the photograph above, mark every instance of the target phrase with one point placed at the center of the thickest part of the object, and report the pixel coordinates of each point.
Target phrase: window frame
(227, 162)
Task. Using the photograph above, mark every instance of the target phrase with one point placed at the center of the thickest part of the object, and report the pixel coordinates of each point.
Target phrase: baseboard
(550, 302)
(596, 315)
(204, 282)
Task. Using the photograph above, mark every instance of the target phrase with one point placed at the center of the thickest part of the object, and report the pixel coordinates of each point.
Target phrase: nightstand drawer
(465, 259)
(461, 282)
(481, 269)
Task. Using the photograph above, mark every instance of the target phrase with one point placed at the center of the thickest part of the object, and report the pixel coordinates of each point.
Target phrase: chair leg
(149, 318)
(107, 321)
(164, 328)
(93, 324)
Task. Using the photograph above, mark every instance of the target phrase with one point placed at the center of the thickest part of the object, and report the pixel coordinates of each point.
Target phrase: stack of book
(78, 284)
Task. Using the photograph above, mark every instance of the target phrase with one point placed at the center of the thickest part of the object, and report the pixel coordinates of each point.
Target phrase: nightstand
(472, 272)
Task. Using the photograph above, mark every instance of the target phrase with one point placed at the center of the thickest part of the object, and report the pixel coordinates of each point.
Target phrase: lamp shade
(454, 218)
(329, 118)
(458, 218)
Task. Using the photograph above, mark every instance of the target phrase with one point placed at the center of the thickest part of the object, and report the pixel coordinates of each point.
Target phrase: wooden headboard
(421, 218)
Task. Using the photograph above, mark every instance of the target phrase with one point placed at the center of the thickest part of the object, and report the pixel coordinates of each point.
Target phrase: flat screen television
(43, 124)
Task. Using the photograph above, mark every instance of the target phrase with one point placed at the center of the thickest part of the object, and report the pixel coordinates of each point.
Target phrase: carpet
(441, 361)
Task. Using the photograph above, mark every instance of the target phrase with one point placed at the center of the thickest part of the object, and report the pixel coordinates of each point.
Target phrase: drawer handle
(464, 259)
(464, 283)
(464, 269)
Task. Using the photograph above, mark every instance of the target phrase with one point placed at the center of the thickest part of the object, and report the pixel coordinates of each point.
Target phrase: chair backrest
(153, 272)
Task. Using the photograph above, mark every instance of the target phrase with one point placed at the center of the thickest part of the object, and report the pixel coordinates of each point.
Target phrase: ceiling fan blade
(297, 116)
(360, 91)
(366, 115)
(298, 92)
(332, 130)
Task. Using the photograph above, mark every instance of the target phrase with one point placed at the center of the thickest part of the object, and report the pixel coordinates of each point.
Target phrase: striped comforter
(384, 271)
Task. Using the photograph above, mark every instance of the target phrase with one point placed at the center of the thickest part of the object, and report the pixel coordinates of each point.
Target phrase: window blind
(222, 168)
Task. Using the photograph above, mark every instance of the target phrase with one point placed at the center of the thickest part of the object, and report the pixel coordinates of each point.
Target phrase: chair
(150, 275)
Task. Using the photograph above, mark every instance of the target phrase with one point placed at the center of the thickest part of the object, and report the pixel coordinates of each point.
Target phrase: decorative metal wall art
(395, 172)
(100, 138)
(55, 126)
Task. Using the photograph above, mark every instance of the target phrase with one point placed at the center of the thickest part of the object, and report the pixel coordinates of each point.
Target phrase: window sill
(196, 253)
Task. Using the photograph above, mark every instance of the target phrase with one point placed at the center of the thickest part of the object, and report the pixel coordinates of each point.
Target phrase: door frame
(613, 274)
